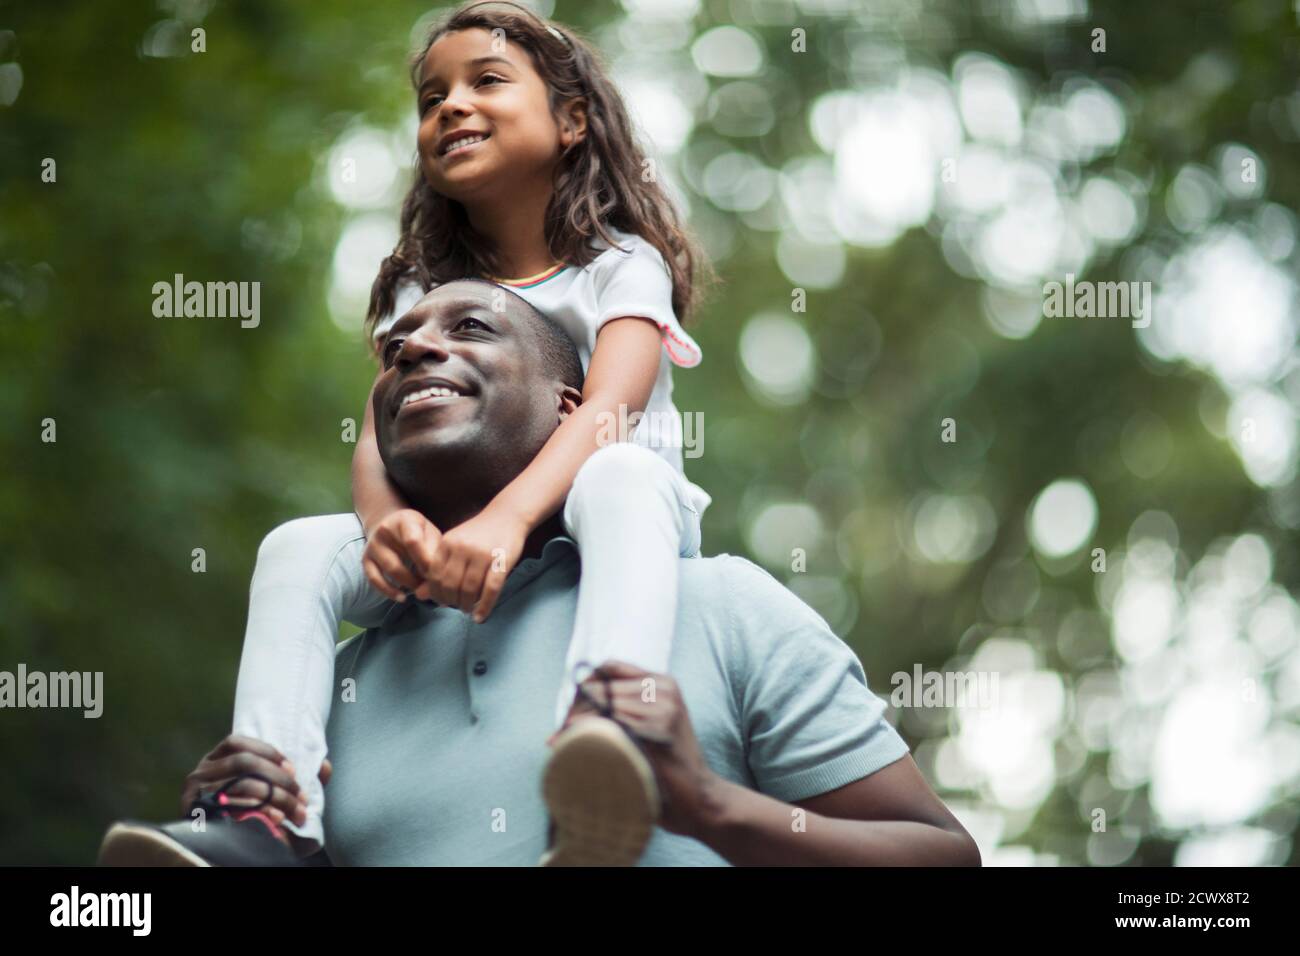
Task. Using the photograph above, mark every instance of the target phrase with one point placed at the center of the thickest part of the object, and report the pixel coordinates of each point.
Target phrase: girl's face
(468, 83)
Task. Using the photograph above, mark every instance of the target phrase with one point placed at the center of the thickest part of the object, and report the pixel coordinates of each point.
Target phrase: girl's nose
(456, 104)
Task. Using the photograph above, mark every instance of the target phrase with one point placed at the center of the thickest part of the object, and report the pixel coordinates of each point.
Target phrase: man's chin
(456, 440)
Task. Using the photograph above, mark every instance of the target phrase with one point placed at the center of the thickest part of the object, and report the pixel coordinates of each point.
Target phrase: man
(765, 743)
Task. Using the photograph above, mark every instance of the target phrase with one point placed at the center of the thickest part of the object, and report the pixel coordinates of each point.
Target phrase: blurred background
(920, 169)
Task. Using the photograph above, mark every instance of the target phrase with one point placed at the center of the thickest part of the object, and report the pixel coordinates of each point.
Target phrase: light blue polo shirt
(438, 760)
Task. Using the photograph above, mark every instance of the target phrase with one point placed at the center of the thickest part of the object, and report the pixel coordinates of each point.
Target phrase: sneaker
(602, 796)
(232, 836)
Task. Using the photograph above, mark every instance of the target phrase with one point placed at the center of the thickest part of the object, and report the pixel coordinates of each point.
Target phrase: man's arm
(890, 818)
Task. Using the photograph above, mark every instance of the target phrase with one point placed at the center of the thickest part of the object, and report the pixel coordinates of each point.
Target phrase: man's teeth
(437, 391)
(464, 141)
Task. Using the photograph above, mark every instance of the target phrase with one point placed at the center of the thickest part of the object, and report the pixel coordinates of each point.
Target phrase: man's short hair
(559, 354)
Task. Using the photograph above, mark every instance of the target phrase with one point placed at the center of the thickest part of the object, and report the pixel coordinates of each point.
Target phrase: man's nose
(424, 344)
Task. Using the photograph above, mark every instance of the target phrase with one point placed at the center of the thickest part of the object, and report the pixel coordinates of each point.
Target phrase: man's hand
(651, 706)
(238, 755)
(472, 560)
(399, 553)
(890, 817)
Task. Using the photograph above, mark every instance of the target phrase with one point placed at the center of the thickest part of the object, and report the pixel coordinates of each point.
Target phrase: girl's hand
(399, 553)
(473, 559)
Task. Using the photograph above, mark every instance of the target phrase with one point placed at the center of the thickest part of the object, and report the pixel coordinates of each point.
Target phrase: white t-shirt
(616, 284)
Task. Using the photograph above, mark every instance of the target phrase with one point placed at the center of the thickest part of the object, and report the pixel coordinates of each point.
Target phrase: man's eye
(464, 322)
(390, 351)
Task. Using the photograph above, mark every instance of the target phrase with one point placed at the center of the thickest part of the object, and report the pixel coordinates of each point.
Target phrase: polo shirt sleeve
(638, 283)
(810, 722)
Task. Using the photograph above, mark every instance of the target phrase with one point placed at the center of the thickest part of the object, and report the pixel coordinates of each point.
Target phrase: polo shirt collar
(523, 572)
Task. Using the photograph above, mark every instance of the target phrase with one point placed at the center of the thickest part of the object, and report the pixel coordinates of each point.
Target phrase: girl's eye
(434, 100)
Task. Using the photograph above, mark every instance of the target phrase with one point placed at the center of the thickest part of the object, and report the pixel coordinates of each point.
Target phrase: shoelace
(604, 708)
(217, 803)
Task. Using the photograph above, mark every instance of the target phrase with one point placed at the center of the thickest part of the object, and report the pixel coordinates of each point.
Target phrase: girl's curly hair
(598, 181)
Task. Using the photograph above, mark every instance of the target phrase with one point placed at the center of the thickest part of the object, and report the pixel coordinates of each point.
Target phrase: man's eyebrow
(477, 61)
(413, 319)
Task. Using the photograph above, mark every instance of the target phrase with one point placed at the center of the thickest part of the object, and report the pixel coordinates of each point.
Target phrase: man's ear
(570, 399)
(573, 129)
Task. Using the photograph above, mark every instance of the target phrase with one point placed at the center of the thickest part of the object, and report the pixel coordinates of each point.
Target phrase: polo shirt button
(480, 668)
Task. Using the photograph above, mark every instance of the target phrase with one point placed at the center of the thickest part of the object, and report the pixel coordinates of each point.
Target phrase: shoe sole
(602, 796)
(128, 845)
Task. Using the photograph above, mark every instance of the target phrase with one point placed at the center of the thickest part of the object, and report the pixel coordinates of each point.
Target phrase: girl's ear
(573, 129)
(570, 399)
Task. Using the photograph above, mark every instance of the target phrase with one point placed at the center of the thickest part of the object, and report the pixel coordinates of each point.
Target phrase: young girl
(527, 167)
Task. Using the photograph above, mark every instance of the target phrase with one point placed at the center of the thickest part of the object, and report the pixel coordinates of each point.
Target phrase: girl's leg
(632, 516)
(308, 577)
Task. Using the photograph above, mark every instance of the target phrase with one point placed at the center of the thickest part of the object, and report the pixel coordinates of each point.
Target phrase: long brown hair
(598, 183)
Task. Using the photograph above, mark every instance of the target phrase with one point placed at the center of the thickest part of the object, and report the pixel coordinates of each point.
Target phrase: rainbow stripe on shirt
(530, 281)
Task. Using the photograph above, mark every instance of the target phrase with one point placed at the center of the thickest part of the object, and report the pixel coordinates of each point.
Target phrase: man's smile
(428, 391)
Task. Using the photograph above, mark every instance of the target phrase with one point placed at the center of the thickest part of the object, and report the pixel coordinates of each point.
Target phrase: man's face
(463, 381)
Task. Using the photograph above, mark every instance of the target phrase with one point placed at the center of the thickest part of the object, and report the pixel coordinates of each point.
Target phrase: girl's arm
(622, 371)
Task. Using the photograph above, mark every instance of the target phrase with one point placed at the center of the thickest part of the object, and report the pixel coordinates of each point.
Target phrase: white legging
(631, 514)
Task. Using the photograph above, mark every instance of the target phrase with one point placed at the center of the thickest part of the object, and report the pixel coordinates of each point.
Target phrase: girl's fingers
(427, 548)
(392, 567)
(416, 545)
(447, 582)
(491, 591)
(471, 588)
(437, 564)
(379, 582)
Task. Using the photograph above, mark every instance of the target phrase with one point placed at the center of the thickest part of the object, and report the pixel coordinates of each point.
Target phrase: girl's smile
(459, 142)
